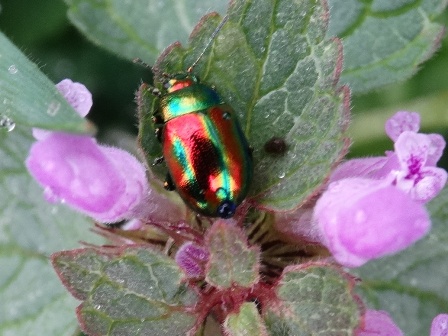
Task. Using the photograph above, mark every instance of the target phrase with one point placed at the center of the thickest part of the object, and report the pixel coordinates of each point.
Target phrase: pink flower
(400, 122)
(362, 219)
(439, 326)
(378, 323)
(415, 177)
(105, 183)
(374, 206)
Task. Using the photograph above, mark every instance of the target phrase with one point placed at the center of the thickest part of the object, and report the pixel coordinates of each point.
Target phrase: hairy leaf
(384, 41)
(126, 291)
(231, 261)
(246, 322)
(29, 98)
(280, 75)
(314, 300)
(138, 28)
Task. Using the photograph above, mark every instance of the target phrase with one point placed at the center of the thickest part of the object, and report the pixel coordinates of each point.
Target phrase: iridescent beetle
(208, 157)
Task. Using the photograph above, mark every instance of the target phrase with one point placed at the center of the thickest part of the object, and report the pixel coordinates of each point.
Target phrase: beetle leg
(169, 184)
(251, 152)
(158, 160)
(158, 122)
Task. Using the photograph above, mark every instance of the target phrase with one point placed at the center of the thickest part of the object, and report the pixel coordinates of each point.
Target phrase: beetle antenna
(223, 21)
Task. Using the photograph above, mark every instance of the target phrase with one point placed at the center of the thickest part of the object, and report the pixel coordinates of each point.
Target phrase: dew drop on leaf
(13, 69)
(53, 108)
(7, 123)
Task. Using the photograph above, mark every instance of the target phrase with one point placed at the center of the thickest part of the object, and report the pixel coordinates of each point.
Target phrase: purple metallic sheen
(378, 323)
(192, 259)
(363, 219)
(439, 326)
(104, 183)
(400, 122)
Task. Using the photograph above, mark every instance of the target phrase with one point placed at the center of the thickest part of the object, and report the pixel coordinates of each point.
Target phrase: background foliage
(42, 31)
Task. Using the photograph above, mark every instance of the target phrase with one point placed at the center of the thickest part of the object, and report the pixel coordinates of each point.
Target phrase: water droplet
(13, 69)
(53, 108)
(7, 123)
(281, 175)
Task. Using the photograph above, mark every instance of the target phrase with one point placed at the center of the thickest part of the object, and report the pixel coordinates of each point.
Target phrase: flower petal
(436, 149)
(88, 177)
(378, 323)
(439, 326)
(363, 219)
(76, 95)
(431, 181)
(412, 150)
(400, 122)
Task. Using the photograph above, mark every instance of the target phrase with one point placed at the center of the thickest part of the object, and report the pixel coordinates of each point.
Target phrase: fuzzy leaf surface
(411, 285)
(280, 76)
(314, 300)
(33, 301)
(231, 261)
(138, 28)
(384, 41)
(126, 291)
(29, 98)
(246, 322)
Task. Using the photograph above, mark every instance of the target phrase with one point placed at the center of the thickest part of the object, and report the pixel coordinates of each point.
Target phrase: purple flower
(439, 326)
(378, 323)
(192, 259)
(415, 177)
(400, 122)
(374, 207)
(105, 183)
(363, 219)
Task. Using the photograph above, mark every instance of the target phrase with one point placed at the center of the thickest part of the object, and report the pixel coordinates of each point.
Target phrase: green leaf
(411, 285)
(127, 291)
(33, 301)
(231, 261)
(314, 300)
(246, 322)
(29, 98)
(280, 75)
(138, 28)
(384, 41)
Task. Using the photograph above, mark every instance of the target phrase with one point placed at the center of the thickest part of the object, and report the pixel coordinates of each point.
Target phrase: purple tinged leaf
(364, 219)
(378, 323)
(127, 291)
(439, 326)
(192, 259)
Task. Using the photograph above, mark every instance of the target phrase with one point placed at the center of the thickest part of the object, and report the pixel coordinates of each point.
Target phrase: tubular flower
(105, 183)
(375, 206)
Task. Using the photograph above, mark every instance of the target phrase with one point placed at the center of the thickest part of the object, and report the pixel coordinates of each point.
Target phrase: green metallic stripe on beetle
(187, 100)
(208, 158)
